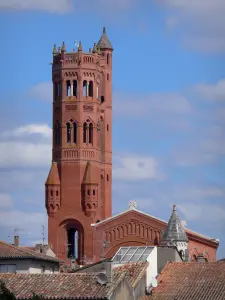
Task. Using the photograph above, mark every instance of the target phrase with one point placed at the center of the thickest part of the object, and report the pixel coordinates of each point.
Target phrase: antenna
(104, 245)
(43, 235)
(101, 278)
(16, 229)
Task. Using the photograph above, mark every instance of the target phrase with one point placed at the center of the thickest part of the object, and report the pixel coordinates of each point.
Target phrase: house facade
(15, 259)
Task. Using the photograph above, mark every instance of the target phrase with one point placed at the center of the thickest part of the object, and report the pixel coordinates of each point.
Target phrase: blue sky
(168, 106)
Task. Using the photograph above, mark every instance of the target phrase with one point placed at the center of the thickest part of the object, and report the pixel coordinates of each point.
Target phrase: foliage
(5, 294)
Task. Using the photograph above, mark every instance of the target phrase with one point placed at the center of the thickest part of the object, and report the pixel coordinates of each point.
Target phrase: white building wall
(152, 270)
(31, 266)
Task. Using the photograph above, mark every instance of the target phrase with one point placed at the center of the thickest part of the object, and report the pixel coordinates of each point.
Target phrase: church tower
(78, 188)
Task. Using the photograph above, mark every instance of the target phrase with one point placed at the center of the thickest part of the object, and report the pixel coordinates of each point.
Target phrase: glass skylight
(132, 254)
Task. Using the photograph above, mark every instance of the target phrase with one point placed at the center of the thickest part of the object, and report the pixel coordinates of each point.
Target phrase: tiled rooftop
(195, 281)
(134, 271)
(55, 286)
(8, 251)
(71, 285)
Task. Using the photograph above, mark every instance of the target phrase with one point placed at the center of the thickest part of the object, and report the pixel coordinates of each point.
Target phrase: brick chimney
(109, 270)
(16, 240)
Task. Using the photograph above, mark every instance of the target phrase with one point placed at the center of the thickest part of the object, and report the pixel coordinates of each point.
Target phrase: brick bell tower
(78, 187)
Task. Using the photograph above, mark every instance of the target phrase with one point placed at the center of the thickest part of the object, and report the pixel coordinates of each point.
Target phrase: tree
(5, 293)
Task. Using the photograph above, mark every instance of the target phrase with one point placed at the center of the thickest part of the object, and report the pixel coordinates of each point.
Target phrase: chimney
(200, 258)
(109, 271)
(16, 240)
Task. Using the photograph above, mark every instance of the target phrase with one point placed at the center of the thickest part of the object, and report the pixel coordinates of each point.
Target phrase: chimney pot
(16, 240)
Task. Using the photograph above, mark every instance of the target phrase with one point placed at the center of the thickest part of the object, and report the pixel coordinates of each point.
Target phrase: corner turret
(175, 234)
(104, 43)
(89, 191)
(52, 190)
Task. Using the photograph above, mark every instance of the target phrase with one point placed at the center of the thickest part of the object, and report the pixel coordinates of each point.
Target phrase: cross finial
(104, 29)
(174, 207)
(132, 205)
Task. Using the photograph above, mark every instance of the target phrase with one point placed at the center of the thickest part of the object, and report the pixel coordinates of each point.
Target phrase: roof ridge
(156, 218)
(12, 246)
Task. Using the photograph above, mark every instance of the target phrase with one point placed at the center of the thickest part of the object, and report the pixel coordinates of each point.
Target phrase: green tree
(5, 294)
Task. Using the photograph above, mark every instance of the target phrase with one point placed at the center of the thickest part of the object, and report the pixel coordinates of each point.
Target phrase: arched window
(51, 193)
(68, 87)
(88, 192)
(107, 177)
(68, 129)
(107, 59)
(90, 89)
(57, 133)
(56, 90)
(75, 88)
(74, 132)
(57, 193)
(107, 76)
(93, 192)
(90, 133)
(85, 132)
(85, 88)
(107, 127)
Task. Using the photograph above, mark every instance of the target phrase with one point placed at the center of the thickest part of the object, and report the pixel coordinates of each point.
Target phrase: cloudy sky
(168, 106)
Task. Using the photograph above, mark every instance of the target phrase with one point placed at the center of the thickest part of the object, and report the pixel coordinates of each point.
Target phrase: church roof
(104, 42)
(133, 208)
(53, 176)
(174, 231)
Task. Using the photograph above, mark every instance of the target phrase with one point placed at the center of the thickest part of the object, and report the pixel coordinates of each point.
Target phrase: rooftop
(8, 251)
(196, 281)
(134, 209)
(71, 285)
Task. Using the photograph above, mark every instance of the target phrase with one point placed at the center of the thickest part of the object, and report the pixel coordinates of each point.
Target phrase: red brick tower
(78, 188)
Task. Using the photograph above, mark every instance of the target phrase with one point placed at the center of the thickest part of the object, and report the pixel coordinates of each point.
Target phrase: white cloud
(68, 6)
(5, 201)
(201, 24)
(211, 91)
(42, 91)
(41, 129)
(135, 168)
(209, 214)
(14, 154)
(52, 6)
(26, 153)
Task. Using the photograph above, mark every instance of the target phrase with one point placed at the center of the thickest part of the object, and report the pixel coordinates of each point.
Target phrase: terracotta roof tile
(55, 286)
(134, 271)
(8, 251)
(71, 285)
(195, 281)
